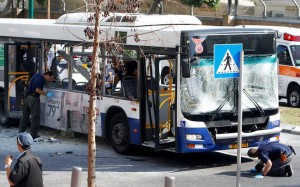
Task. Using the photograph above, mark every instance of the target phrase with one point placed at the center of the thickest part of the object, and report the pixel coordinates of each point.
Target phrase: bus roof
(70, 27)
(135, 20)
(143, 30)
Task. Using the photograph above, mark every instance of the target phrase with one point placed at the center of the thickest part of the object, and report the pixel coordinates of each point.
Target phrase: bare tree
(110, 7)
(92, 101)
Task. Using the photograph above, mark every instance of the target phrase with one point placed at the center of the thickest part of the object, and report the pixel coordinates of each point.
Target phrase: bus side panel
(68, 110)
(129, 108)
(135, 131)
(13, 103)
(51, 110)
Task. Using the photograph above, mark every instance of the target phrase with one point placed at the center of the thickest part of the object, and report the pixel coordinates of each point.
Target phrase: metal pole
(169, 181)
(240, 121)
(161, 6)
(76, 177)
(236, 2)
(64, 5)
(298, 8)
(86, 6)
(229, 7)
(31, 9)
(48, 9)
(265, 8)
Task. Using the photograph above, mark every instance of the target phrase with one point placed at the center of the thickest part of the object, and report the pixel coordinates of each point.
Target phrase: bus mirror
(185, 69)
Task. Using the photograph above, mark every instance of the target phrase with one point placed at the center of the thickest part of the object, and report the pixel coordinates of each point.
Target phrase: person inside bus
(109, 76)
(28, 60)
(129, 81)
(55, 67)
(128, 70)
(50, 55)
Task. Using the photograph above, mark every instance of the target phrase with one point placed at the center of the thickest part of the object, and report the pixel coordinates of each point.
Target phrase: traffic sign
(227, 60)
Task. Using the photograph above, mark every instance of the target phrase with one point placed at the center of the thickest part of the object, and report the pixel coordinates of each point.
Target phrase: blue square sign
(227, 60)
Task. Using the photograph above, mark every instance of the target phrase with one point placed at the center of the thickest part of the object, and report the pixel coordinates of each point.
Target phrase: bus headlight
(193, 137)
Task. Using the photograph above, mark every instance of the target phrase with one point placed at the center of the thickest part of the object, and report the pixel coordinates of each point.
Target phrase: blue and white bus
(193, 112)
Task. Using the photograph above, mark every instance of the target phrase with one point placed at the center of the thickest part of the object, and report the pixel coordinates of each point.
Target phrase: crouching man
(274, 159)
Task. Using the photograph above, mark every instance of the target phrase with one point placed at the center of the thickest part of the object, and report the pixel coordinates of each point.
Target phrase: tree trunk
(92, 103)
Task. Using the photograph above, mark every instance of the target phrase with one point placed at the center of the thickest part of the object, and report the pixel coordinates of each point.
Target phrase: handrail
(265, 8)
(64, 6)
(24, 77)
(297, 8)
(18, 73)
(236, 2)
(86, 6)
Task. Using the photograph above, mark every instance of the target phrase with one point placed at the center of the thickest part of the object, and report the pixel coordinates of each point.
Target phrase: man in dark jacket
(27, 171)
(274, 158)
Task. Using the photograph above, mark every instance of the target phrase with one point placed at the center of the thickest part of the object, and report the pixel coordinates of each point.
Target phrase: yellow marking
(234, 146)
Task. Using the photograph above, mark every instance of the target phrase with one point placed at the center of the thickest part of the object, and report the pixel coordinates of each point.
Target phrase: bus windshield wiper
(262, 113)
(217, 111)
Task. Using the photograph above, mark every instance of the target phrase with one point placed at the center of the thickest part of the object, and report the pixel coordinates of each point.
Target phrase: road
(145, 168)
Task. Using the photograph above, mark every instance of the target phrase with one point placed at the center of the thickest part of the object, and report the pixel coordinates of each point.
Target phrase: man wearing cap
(274, 158)
(27, 171)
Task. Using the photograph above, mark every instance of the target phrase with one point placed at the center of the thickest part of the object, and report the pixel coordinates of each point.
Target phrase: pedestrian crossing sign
(227, 60)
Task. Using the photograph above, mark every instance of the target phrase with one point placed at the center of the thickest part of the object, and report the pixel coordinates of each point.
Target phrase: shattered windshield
(201, 93)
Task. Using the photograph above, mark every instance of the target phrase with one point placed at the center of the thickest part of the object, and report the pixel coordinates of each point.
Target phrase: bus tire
(293, 97)
(165, 76)
(119, 134)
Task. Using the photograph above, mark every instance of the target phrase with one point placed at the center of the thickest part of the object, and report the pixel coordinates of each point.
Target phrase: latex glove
(50, 94)
(259, 176)
(253, 170)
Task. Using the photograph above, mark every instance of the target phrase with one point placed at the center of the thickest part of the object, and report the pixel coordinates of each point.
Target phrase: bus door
(20, 63)
(160, 99)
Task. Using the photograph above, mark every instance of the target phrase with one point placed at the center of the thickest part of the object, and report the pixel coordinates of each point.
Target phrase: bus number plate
(234, 146)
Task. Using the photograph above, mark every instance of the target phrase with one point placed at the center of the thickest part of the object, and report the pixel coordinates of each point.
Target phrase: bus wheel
(119, 134)
(293, 97)
(165, 77)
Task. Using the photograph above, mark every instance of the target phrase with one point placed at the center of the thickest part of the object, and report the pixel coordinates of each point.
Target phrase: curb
(291, 130)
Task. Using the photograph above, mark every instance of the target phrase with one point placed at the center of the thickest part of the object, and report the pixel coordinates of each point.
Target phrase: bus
(191, 112)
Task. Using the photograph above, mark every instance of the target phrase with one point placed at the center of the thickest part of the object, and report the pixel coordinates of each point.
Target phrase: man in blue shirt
(274, 159)
(32, 102)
